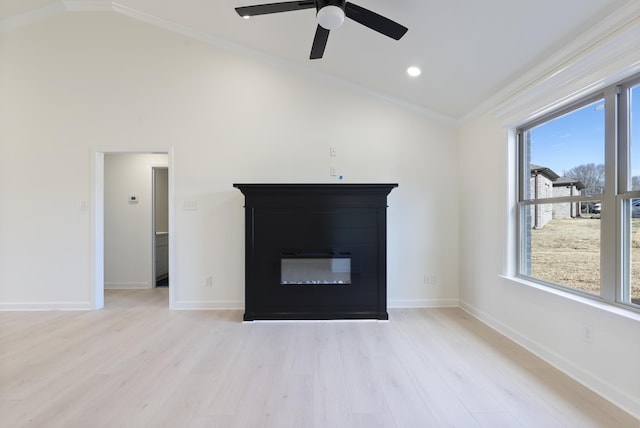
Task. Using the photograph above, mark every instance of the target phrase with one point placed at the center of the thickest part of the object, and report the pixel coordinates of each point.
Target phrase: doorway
(124, 212)
(160, 184)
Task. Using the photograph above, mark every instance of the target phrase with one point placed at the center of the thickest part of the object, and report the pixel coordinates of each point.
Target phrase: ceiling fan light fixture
(330, 14)
(330, 17)
(414, 71)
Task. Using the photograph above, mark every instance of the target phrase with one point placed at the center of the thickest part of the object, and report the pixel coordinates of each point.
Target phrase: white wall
(82, 82)
(548, 323)
(128, 227)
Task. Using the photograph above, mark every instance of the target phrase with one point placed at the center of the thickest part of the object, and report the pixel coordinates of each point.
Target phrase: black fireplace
(315, 251)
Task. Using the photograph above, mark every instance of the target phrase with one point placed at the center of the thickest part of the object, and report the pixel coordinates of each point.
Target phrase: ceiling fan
(330, 14)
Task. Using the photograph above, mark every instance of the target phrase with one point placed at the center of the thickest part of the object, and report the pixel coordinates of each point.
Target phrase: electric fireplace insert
(310, 268)
(315, 251)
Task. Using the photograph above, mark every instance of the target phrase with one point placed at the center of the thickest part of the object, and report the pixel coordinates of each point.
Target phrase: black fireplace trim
(263, 301)
(312, 254)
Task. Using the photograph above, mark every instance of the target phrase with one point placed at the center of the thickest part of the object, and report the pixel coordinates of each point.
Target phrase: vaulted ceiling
(468, 50)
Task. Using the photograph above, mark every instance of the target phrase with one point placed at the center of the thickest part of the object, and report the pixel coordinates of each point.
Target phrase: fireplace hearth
(315, 251)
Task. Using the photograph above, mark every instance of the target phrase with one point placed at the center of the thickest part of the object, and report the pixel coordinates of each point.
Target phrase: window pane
(632, 288)
(634, 256)
(567, 153)
(564, 251)
(635, 137)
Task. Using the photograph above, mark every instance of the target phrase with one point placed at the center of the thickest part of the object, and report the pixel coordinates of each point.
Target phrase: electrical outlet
(333, 171)
(430, 280)
(208, 281)
(588, 333)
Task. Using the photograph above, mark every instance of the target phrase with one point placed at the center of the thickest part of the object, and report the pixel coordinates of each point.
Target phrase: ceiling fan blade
(374, 21)
(263, 9)
(319, 43)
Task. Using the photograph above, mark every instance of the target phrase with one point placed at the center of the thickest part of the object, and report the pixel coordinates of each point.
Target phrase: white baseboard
(239, 304)
(46, 306)
(126, 285)
(422, 303)
(197, 305)
(599, 386)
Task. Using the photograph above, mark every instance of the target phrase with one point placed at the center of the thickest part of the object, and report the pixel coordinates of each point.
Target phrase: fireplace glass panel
(315, 271)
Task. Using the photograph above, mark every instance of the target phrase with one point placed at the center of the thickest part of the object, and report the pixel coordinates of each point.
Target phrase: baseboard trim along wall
(422, 303)
(198, 305)
(239, 304)
(46, 306)
(126, 285)
(599, 386)
(204, 304)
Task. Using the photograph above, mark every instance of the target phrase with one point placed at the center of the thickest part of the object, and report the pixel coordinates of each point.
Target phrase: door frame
(96, 292)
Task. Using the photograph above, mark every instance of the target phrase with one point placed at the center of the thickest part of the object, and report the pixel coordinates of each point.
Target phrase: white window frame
(614, 236)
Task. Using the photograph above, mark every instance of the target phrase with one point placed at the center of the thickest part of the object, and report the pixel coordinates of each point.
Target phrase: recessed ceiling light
(414, 71)
(246, 16)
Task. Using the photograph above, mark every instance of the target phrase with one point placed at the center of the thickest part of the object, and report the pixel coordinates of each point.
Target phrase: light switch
(190, 205)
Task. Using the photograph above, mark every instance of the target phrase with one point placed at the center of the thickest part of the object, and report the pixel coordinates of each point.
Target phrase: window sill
(597, 304)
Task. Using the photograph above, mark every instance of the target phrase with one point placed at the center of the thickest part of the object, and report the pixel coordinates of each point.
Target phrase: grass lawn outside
(567, 252)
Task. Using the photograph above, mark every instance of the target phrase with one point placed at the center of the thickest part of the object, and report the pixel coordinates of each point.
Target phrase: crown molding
(114, 6)
(276, 61)
(31, 17)
(88, 5)
(603, 55)
(608, 52)
(54, 9)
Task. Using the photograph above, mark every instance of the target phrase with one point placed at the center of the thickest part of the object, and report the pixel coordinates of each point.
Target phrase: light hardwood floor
(137, 364)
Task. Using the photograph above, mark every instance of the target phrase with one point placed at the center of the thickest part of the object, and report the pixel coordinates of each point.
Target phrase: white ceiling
(467, 49)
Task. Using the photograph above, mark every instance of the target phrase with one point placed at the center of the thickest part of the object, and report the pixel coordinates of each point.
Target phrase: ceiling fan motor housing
(330, 13)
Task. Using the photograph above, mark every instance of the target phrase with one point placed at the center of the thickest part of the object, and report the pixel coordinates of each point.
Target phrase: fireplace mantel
(335, 234)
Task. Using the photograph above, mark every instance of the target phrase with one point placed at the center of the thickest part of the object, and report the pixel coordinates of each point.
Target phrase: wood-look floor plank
(138, 364)
(479, 382)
